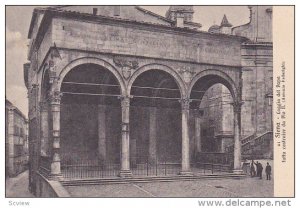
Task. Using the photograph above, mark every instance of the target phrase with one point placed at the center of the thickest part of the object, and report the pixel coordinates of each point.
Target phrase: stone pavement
(18, 186)
(245, 187)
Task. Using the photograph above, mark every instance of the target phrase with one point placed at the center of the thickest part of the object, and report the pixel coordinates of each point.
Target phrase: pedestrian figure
(260, 170)
(252, 169)
(268, 171)
(257, 169)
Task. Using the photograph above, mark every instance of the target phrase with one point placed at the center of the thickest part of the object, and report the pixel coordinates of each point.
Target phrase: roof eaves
(154, 14)
(33, 19)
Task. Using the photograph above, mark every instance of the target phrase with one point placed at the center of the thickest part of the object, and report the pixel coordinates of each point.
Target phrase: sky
(17, 26)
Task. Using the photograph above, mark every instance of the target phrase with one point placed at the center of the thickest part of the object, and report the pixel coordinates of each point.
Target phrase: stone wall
(198, 47)
(49, 189)
(257, 83)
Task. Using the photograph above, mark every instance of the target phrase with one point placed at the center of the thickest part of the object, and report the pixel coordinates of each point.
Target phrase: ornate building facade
(124, 86)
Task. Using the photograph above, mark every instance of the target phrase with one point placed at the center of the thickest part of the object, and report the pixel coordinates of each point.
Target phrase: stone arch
(91, 60)
(160, 67)
(223, 79)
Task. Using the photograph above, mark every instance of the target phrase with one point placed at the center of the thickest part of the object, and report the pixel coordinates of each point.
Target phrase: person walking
(252, 169)
(268, 171)
(260, 170)
(257, 168)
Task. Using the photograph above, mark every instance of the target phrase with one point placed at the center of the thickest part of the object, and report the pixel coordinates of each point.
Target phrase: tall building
(16, 140)
(119, 91)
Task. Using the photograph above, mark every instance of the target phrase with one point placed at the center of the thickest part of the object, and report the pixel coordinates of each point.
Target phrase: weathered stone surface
(127, 46)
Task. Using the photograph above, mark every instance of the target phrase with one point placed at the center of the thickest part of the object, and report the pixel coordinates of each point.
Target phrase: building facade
(257, 77)
(16, 140)
(124, 86)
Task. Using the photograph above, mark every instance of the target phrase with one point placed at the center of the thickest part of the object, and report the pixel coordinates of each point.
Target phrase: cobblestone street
(18, 186)
(246, 187)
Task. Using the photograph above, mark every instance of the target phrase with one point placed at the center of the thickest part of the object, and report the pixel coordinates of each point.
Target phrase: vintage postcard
(149, 101)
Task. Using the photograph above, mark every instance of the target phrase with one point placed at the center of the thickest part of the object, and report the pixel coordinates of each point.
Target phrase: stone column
(152, 135)
(10, 141)
(44, 129)
(101, 134)
(198, 131)
(55, 112)
(237, 137)
(125, 151)
(185, 151)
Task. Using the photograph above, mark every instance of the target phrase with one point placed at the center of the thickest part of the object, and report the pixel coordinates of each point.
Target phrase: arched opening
(213, 117)
(90, 120)
(155, 122)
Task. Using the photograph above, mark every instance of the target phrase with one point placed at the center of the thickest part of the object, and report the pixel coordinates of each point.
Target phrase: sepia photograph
(125, 101)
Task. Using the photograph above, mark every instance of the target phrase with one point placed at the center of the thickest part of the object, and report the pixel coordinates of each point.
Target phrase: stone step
(105, 181)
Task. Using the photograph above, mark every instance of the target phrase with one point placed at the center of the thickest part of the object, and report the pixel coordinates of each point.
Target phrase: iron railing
(90, 169)
(214, 161)
(154, 167)
(84, 167)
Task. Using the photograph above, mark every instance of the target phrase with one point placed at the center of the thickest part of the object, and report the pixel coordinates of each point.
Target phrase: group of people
(259, 169)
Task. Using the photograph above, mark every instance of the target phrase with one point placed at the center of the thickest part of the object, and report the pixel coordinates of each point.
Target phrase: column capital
(55, 97)
(237, 106)
(43, 105)
(185, 103)
(125, 100)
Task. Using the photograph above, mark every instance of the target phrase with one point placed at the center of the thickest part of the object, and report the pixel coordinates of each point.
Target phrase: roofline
(193, 23)
(99, 17)
(34, 14)
(17, 110)
(154, 14)
(33, 18)
(250, 19)
(241, 25)
(49, 14)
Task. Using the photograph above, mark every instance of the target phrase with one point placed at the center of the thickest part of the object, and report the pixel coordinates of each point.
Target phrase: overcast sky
(17, 25)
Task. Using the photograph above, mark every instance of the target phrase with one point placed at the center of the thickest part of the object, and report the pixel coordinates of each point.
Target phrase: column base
(55, 177)
(238, 171)
(186, 173)
(55, 168)
(125, 174)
